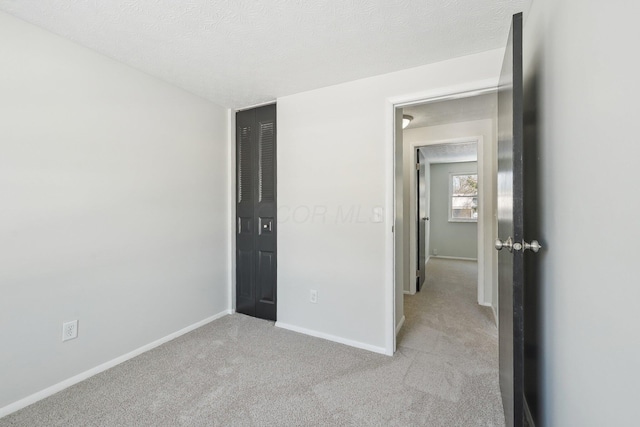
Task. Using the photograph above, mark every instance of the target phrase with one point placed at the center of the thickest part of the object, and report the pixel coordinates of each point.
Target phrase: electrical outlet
(313, 296)
(69, 330)
(435, 251)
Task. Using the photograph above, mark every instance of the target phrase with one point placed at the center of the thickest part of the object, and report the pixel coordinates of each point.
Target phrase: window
(463, 197)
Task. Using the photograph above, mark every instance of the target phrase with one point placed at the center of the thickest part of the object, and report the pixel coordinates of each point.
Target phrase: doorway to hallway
(446, 199)
(450, 122)
(456, 117)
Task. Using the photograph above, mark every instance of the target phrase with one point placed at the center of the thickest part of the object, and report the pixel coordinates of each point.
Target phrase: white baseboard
(454, 257)
(408, 293)
(493, 311)
(399, 325)
(15, 406)
(333, 338)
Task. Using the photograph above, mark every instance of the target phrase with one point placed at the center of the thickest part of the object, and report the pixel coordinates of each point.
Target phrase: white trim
(400, 323)
(493, 311)
(15, 406)
(484, 199)
(460, 258)
(390, 290)
(408, 293)
(464, 89)
(333, 338)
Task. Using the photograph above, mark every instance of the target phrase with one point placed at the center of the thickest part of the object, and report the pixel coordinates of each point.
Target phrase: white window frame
(451, 175)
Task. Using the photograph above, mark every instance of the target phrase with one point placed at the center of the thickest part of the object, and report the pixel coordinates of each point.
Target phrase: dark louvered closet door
(256, 212)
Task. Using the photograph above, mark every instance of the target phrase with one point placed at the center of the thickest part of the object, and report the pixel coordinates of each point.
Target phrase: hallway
(456, 341)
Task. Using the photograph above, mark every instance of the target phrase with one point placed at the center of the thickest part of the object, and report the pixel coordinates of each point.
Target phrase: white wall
(487, 164)
(452, 239)
(589, 71)
(114, 189)
(335, 155)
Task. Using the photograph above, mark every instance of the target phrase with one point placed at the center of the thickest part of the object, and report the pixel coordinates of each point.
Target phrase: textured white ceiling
(452, 111)
(480, 107)
(451, 153)
(243, 52)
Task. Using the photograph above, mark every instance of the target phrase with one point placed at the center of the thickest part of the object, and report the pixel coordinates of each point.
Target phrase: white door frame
(440, 94)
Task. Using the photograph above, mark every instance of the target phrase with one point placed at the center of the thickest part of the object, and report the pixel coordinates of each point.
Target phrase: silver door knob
(508, 244)
(517, 246)
(534, 246)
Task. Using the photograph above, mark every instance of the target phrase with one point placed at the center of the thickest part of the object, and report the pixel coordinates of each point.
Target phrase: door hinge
(417, 166)
(417, 273)
(392, 228)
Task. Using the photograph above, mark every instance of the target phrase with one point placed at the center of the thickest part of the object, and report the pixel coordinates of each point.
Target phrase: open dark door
(422, 218)
(510, 228)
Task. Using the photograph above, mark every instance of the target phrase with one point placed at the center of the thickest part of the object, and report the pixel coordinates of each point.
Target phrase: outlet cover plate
(69, 330)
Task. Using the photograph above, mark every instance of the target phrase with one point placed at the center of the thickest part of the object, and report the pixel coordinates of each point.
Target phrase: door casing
(422, 195)
(468, 89)
(413, 218)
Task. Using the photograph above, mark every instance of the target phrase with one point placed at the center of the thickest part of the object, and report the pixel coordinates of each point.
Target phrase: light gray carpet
(240, 371)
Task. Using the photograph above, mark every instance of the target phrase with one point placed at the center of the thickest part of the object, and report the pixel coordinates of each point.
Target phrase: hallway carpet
(240, 371)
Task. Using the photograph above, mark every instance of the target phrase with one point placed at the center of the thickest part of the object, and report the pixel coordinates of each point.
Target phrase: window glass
(463, 191)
